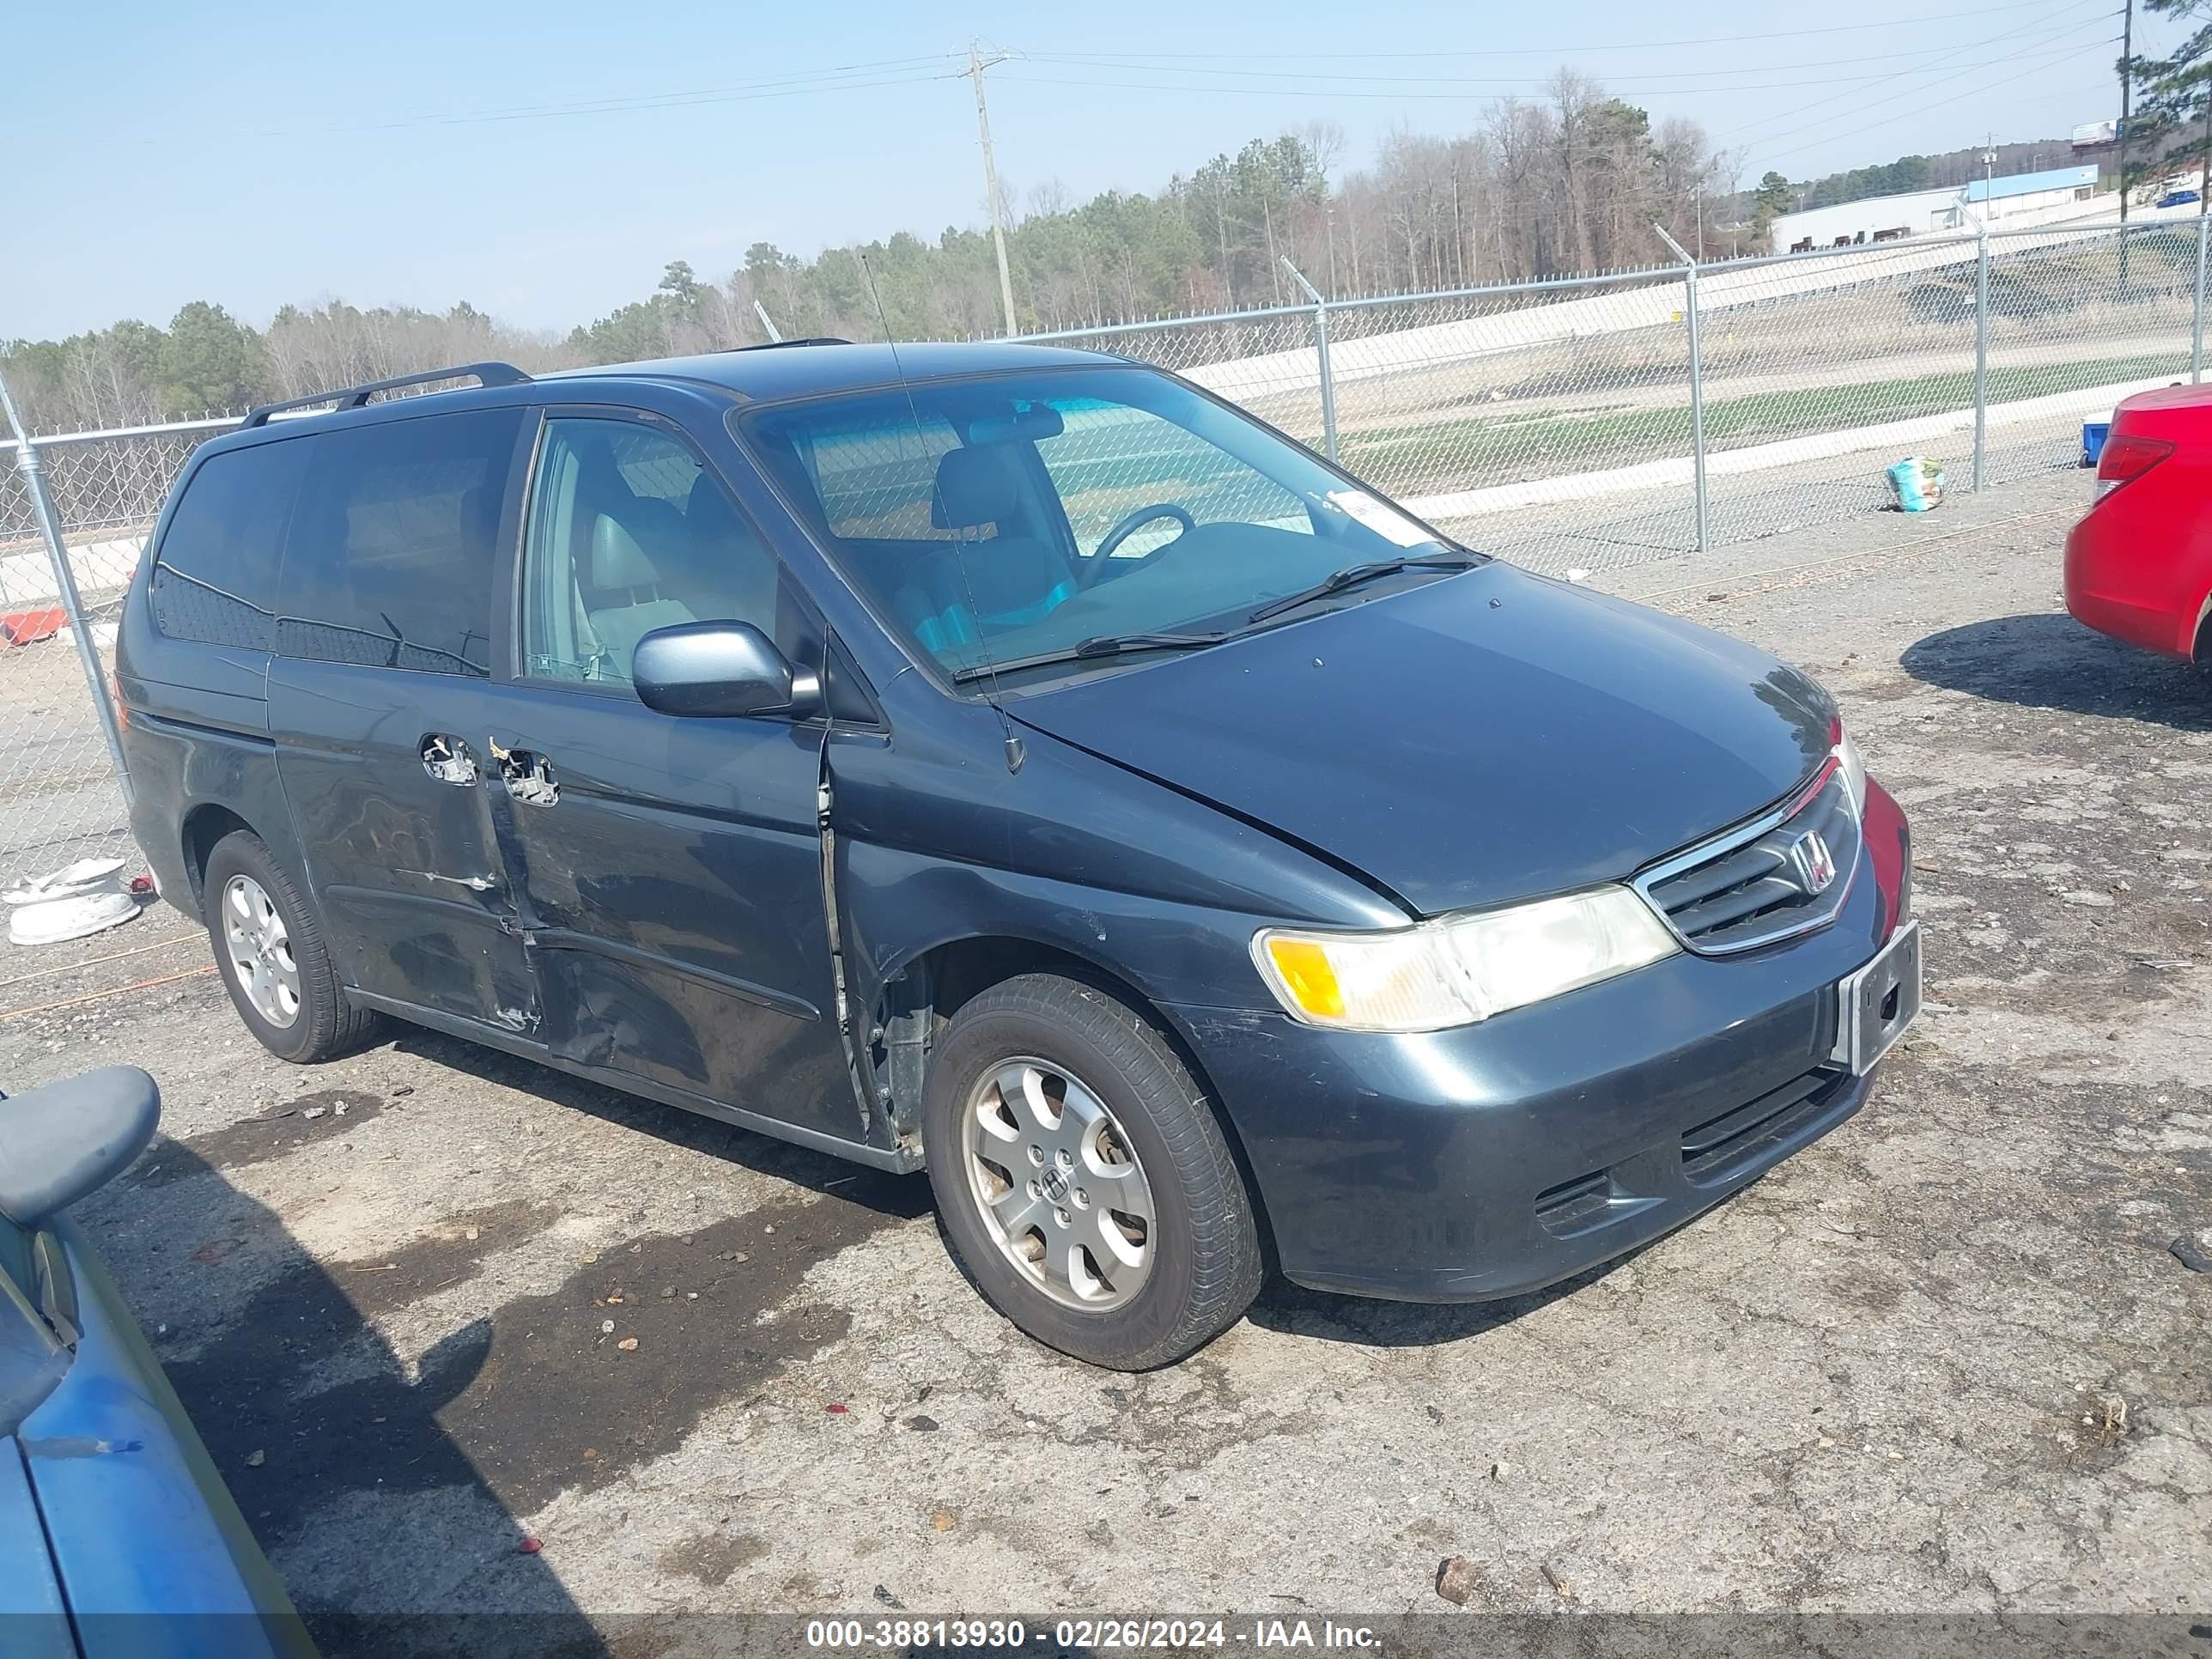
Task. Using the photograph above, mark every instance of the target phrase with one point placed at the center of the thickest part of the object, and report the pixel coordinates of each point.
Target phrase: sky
(543, 159)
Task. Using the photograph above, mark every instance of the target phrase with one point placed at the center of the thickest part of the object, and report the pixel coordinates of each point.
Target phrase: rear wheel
(270, 949)
(1082, 1178)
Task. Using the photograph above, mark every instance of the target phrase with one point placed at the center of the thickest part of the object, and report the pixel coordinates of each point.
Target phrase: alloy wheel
(1058, 1185)
(260, 948)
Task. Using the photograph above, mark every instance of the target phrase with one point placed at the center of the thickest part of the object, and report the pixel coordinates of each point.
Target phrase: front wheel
(1082, 1178)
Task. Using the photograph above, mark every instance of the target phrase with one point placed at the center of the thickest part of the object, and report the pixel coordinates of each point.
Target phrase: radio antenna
(1013, 745)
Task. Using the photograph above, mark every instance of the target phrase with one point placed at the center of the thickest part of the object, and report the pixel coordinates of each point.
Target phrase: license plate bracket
(1875, 1005)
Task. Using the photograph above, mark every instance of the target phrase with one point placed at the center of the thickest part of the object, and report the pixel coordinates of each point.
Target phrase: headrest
(974, 486)
(627, 551)
(616, 559)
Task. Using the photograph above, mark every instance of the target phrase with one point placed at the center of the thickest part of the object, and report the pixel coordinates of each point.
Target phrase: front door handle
(447, 760)
(528, 775)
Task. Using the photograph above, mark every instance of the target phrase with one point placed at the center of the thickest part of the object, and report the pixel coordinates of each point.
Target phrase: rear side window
(393, 553)
(214, 578)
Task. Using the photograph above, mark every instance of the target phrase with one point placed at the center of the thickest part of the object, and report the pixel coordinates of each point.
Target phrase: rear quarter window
(213, 580)
(393, 553)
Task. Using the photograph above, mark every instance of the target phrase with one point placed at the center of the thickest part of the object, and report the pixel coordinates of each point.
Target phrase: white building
(1916, 213)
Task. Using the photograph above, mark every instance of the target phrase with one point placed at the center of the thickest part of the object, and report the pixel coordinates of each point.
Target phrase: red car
(2139, 565)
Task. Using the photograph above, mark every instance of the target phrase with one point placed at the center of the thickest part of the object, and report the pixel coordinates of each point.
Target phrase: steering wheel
(1094, 569)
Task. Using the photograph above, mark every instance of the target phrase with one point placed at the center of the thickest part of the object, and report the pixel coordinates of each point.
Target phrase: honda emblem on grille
(1812, 863)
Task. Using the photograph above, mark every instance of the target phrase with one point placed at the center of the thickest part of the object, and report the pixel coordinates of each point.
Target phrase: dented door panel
(668, 873)
(398, 838)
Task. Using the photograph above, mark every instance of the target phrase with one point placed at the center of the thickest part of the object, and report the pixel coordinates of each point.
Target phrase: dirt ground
(1943, 1361)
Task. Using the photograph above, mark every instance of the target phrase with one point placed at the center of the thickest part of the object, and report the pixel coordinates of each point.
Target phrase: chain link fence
(1556, 424)
(62, 789)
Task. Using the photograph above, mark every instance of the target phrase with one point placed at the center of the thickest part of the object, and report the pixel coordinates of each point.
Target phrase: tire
(1139, 1127)
(323, 1025)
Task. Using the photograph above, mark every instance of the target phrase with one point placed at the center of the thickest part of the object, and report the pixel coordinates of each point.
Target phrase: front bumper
(1497, 1159)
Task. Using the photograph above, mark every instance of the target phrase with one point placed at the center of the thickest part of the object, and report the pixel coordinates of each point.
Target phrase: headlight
(1458, 971)
(1854, 770)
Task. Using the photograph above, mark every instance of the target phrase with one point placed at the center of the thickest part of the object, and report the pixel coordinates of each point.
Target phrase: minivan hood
(1488, 737)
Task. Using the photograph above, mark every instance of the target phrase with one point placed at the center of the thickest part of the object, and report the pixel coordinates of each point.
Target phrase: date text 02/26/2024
(1085, 1634)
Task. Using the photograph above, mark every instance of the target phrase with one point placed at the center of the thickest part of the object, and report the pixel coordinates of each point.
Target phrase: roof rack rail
(357, 396)
(776, 345)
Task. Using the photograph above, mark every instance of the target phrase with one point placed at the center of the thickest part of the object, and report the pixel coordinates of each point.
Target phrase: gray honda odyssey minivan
(1020, 763)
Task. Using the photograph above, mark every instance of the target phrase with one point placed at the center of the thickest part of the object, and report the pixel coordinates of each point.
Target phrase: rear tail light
(2127, 457)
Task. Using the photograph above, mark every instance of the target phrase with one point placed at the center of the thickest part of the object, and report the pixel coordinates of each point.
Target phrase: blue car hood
(1488, 737)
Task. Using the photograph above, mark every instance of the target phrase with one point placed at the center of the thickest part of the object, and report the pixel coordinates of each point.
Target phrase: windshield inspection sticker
(1379, 516)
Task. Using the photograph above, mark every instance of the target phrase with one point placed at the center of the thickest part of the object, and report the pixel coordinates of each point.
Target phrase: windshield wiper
(1099, 645)
(1353, 575)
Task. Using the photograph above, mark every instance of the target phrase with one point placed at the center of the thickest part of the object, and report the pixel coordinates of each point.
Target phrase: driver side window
(1112, 459)
(628, 532)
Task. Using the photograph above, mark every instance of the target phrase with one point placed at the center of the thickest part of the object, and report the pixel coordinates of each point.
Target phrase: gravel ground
(1944, 1360)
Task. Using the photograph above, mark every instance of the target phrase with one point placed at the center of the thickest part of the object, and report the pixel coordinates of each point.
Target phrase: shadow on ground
(288, 1449)
(896, 1198)
(1370, 1322)
(2051, 661)
(388, 1486)
(869, 1200)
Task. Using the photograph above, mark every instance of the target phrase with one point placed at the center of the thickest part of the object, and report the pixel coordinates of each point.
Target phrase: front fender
(938, 839)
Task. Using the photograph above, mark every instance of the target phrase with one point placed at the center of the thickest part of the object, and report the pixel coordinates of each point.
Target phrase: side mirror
(718, 668)
(62, 1141)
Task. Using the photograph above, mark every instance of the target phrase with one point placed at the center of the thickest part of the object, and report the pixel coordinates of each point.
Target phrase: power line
(1448, 97)
(828, 79)
(1074, 60)
(1854, 86)
(1445, 97)
(1891, 120)
(1855, 113)
(2049, 31)
(1916, 21)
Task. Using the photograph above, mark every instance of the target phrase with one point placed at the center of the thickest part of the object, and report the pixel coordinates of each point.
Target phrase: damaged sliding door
(668, 873)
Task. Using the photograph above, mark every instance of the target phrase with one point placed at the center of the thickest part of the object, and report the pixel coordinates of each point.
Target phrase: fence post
(1320, 349)
(1982, 362)
(50, 531)
(2197, 317)
(1697, 386)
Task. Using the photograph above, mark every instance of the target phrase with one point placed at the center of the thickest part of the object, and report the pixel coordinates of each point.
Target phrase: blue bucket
(2094, 434)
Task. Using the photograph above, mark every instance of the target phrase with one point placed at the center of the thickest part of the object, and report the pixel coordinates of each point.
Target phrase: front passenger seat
(626, 603)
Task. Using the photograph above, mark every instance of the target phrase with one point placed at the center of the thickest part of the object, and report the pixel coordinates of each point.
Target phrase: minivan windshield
(1010, 519)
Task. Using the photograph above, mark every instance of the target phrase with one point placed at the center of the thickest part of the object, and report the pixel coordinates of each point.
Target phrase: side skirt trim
(902, 1160)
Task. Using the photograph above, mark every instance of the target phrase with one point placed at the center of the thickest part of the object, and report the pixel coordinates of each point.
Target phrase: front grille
(1760, 883)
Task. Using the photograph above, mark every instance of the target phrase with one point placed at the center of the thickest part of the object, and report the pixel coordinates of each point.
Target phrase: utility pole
(977, 64)
(2127, 87)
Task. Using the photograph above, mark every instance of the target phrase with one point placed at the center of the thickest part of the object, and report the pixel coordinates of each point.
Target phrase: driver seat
(1004, 580)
